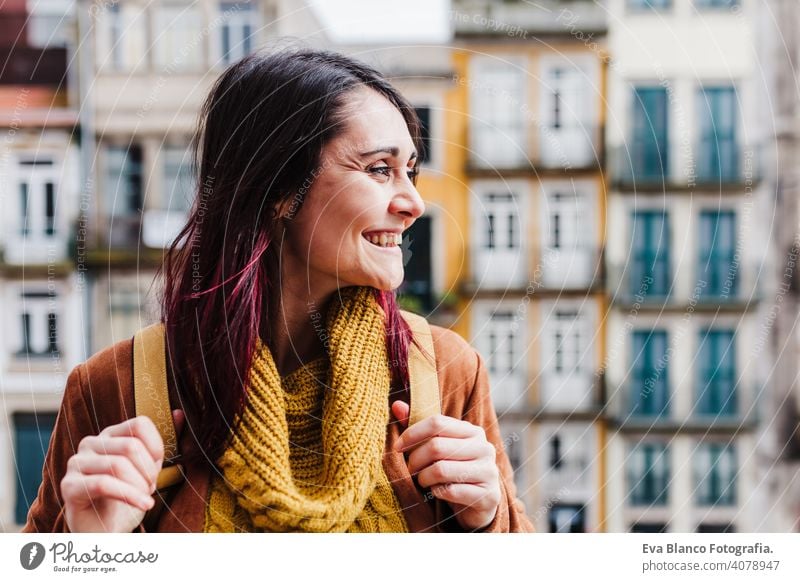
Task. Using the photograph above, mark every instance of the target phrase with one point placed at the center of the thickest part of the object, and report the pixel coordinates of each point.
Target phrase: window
(500, 340)
(38, 324)
(718, 268)
(178, 178)
(567, 112)
(716, 3)
(566, 220)
(650, 266)
(568, 247)
(121, 43)
(501, 335)
(648, 474)
(36, 212)
(418, 282)
(718, 153)
(567, 378)
(32, 435)
(50, 23)
(237, 37)
(716, 373)
(178, 37)
(564, 518)
(649, 147)
(649, 4)
(424, 115)
(497, 223)
(502, 222)
(514, 445)
(556, 457)
(497, 137)
(568, 340)
(124, 180)
(126, 310)
(715, 474)
(649, 374)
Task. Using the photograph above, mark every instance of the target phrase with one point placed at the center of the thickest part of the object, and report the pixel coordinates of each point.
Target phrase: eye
(412, 174)
(382, 170)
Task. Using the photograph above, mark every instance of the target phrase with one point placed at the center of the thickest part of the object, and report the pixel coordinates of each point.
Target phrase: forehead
(371, 119)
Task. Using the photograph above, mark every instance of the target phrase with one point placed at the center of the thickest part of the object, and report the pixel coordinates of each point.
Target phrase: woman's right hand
(110, 481)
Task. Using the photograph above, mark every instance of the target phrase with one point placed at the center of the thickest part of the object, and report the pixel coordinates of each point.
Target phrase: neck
(297, 322)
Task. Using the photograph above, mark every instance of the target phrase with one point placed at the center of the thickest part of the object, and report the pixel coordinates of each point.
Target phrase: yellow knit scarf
(306, 454)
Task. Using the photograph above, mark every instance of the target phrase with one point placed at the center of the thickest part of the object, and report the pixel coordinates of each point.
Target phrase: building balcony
(494, 150)
(518, 19)
(635, 409)
(567, 271)
(678, 166)
(726, 287)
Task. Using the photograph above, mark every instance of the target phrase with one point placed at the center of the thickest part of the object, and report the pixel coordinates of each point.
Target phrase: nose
(407, 203)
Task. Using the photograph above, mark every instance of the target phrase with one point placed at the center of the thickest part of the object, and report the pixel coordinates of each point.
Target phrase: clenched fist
(110, 481)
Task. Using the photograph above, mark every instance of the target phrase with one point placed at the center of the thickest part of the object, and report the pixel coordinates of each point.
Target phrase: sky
(385, 21)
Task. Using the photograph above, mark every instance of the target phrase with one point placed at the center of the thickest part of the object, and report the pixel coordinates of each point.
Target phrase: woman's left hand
(453, 458)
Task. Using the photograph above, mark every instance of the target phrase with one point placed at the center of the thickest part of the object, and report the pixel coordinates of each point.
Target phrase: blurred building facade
(535, 95)
(598, 211)
(779, 436)
(40, 287)
(686, 251)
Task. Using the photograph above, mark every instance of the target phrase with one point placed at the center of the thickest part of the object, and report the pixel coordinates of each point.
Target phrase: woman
(288, 354)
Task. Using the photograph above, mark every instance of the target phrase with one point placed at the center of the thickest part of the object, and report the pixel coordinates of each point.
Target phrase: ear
(287, 208)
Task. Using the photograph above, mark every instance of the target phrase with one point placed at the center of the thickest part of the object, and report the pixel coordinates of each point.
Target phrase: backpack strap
(425, 398)
(151, 399)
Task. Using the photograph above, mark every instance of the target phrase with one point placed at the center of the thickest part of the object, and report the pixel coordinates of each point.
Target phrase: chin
(384, 282)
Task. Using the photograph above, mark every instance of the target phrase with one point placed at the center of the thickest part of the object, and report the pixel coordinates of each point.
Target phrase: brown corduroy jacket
(99, 393)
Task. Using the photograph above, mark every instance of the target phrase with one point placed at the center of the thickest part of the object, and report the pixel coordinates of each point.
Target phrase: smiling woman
(288, 358)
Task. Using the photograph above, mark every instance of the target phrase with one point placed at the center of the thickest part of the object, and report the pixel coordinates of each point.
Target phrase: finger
(115, 465)
(441, 472)
(436, 425)
(143, 428)
(448, 449)
(400, 410)
(467, 494)
(130, 447)
(88, 488)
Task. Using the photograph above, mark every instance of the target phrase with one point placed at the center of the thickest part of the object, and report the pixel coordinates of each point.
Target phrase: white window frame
(505, 355)
(573, 264)
(498, 266)
(50, 22)
(178, 37)
(498, 126)
(129, 51)
(572, 144)
(235, 21)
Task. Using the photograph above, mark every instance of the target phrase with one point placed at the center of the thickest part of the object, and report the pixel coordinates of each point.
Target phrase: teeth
(385, 239)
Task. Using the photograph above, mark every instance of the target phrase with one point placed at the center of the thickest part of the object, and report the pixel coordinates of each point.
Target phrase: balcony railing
(682, 165)
(575, 149)
(732, 285)
(516, 18)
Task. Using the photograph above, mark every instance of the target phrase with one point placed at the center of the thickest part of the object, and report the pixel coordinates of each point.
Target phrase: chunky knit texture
(306, 452)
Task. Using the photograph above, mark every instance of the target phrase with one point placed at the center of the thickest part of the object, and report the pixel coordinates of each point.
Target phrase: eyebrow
(392, 151)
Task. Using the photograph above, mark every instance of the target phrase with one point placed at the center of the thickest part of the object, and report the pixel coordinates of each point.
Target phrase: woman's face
(357, 204)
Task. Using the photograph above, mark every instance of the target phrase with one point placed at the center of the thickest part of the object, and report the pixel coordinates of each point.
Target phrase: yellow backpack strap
(425, 399)
(151, 396)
